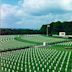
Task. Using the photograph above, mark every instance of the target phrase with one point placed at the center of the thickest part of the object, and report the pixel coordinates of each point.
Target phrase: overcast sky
(33, 14)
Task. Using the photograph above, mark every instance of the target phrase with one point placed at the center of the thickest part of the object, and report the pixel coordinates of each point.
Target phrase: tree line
(55, 28)
(8, 31)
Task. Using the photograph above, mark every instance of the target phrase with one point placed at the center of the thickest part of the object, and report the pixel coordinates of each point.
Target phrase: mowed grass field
(50, 58)
(16, 41)
(8, 42)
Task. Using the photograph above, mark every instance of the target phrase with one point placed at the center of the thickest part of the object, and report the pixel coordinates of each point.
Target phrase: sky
(32, 14)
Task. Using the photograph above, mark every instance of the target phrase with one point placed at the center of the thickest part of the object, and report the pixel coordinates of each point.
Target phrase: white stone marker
(44, 43)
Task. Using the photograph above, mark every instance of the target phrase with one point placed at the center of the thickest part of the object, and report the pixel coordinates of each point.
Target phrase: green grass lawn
(54, 58)
(14, 42)
(41, 39)
(61, 47)
(10, 43)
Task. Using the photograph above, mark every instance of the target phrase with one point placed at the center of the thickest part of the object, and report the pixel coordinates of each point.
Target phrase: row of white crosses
(35, 60)
(68, 61)
(65, 44)
(5, 39)
(9, 43)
